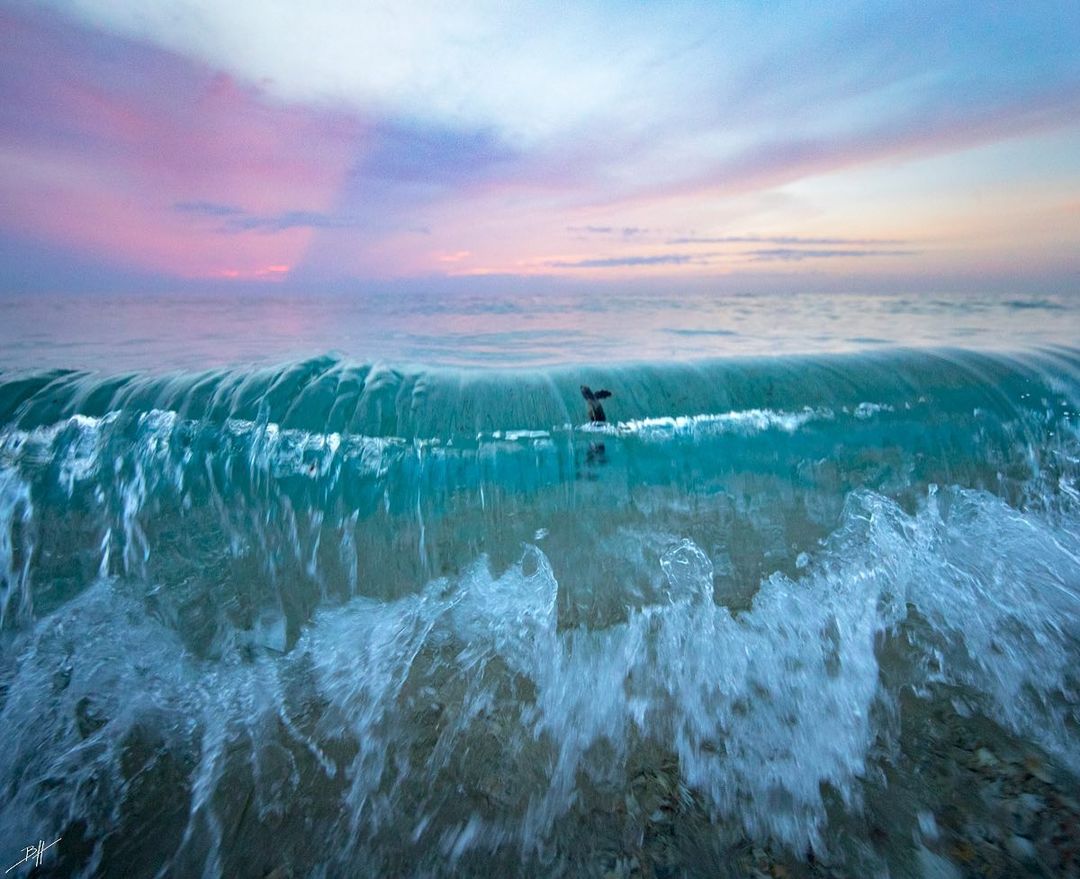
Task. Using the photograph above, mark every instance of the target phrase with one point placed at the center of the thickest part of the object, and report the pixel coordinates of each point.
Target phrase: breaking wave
(344, 618)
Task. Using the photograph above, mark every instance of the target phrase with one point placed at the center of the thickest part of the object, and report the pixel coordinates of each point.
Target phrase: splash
(245, 641)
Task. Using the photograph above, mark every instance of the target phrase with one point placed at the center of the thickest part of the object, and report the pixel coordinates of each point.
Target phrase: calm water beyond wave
(332, 587)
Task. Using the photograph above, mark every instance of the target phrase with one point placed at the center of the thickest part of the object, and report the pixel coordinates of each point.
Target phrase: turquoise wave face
(435, 621)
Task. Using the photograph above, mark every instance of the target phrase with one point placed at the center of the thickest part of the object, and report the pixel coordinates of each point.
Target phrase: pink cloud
(101, 156)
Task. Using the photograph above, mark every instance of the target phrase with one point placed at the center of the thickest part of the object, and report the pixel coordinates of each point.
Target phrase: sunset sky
(344, 146)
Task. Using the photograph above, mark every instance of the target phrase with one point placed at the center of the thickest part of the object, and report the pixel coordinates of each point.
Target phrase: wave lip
(329, 395)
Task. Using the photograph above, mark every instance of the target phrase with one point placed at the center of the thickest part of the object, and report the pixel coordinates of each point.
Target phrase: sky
(335, 145)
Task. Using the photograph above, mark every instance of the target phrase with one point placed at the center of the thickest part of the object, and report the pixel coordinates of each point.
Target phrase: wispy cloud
(207, 208)
(615, 231)
(237, 220)
(792, 254)
(774, 254)
(784, 239)
(659, 259)
(291, 220)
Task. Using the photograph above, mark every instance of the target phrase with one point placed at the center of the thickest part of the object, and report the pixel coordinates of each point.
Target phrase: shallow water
(805, 615)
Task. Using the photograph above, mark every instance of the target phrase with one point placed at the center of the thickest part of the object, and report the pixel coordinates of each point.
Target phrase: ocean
(352, 586)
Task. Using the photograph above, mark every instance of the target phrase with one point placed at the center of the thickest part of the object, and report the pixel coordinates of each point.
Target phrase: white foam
(744, 422)
(16, 546)
(865, 411)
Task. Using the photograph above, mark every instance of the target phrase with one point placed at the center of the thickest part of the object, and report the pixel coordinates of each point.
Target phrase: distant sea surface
(353, 587)
(200, 332)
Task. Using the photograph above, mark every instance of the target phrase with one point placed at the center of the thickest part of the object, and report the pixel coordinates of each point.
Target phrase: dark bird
(596, 411)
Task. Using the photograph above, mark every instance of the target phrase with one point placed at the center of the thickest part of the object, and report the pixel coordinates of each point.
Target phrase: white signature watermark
(34, 853)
